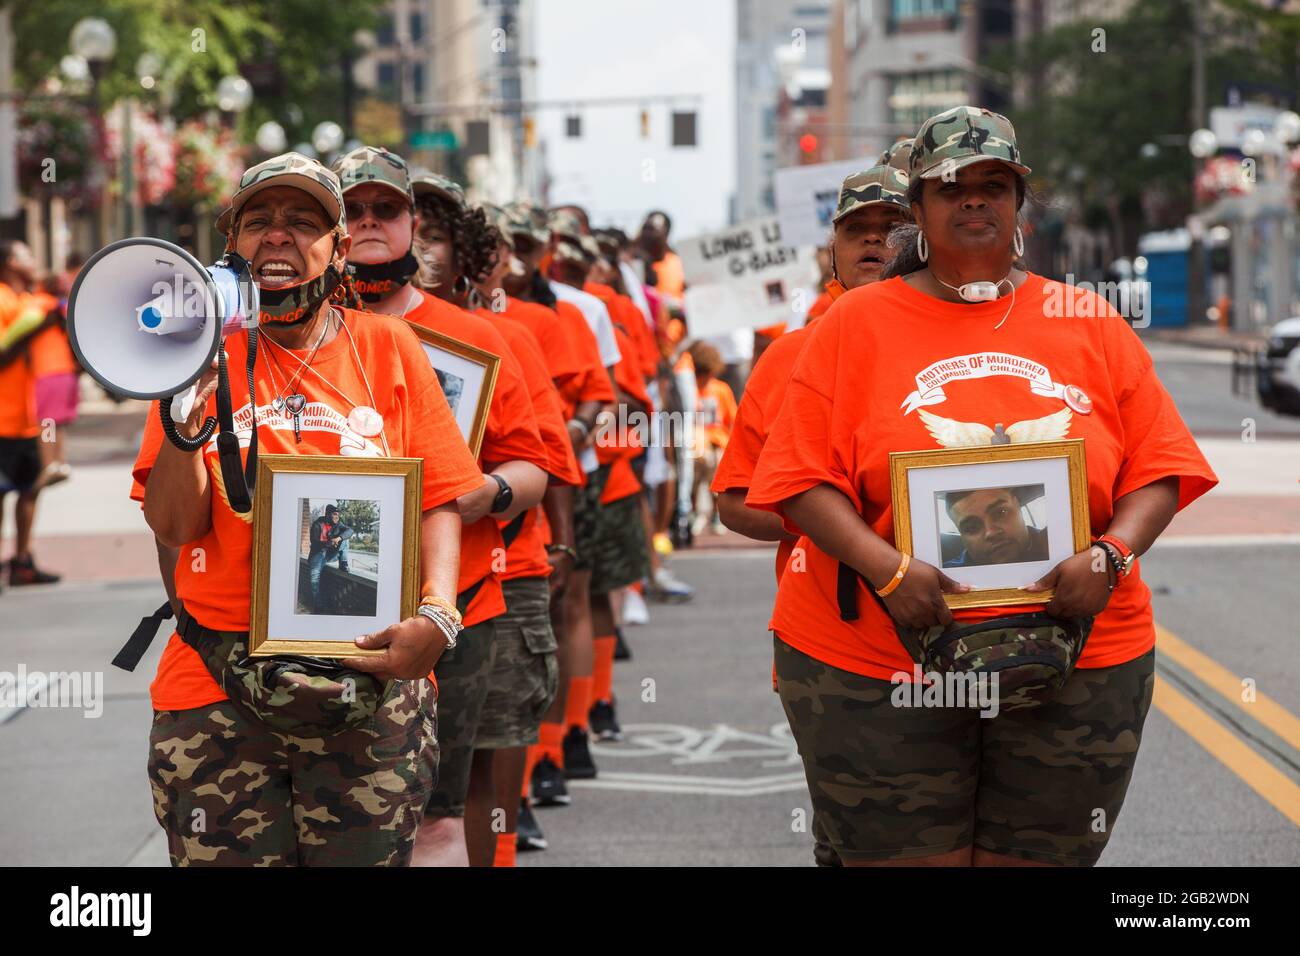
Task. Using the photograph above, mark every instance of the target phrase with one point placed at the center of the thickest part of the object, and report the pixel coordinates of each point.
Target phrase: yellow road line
(1262, 777)
(1263, 708)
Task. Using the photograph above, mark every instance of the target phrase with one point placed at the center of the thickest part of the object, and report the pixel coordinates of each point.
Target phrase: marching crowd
(539, 549)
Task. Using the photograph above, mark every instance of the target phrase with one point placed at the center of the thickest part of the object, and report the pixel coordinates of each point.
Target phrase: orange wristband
(897, 579)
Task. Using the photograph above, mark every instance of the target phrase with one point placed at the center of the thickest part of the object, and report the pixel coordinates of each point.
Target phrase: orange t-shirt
(671, 278)
(563, 359)
(593, 384)
(17, 383)
(511, 435)
(626, 446)
(716, 406)
(526, 554)
(417, 424)
(624, 313)
(890, 368)
(759, 405)
(50, 351)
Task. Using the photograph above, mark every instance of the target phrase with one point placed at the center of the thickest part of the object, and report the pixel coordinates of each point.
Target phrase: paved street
(707, 775)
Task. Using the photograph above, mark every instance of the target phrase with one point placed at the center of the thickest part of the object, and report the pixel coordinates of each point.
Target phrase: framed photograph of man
(997, 517)
(467, 375)
(335, 552)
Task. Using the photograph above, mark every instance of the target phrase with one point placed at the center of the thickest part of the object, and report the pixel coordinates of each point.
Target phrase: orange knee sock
(549, 735)
(602, 669)
(506, 847)
(578, 703)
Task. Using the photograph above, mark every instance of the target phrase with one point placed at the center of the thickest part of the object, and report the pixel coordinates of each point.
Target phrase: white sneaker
(634, 609)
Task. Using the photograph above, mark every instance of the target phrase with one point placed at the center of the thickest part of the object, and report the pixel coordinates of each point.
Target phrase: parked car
(1277, 369)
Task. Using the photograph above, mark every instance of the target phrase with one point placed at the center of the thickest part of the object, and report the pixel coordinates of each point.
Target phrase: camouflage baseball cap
(899, 155)
(425, 183)
(287, 169)
(498, 220)
(879, 185)
(523, 220)
(960, 137)
(565, 225)
(374, 164)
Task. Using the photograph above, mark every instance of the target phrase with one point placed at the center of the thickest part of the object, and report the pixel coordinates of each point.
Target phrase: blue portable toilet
(1166, 274)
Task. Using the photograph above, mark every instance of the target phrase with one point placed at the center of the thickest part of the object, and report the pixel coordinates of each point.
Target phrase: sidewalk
(1204, 337)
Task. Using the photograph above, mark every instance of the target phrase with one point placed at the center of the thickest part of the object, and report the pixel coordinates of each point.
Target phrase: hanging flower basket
(154, 154)
(61, 151)
(209, 163)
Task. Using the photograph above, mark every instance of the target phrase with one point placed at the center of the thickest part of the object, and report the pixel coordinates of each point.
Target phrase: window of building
(417, 27)
(684, 129)
(388, 76)
(915, 97)
(922, 9)
(417, 80)
(573, 126)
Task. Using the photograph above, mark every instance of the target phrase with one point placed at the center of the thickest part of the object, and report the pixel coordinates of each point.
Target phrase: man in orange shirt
(380, 199)
(22, 315)
(665, 265)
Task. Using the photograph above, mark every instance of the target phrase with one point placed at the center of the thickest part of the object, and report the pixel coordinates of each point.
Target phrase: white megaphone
(145, 318)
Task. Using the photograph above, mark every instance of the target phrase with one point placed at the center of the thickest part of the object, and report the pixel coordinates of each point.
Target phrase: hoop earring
(1018, 244)
(461, 286)
(922, 247)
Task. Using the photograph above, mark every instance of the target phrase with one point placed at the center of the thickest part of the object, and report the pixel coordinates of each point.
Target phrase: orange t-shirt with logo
(213, 573)
(526, 554)
(510, 435)
(624, 313)
(17, 383)
(891, 369)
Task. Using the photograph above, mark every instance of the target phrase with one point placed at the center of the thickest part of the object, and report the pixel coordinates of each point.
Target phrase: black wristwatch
(504, 496)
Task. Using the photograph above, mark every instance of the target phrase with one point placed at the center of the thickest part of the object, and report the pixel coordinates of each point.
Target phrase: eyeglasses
(385, 210)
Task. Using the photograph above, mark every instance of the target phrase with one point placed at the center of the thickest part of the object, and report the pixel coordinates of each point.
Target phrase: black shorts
(20, 463)
(893, 782)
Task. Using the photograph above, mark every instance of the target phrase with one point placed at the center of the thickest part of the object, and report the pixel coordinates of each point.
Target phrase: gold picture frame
(902, 465)
(270, 533)
(472, 427)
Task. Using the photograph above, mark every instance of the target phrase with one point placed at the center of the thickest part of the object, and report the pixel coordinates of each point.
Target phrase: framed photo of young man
(467, 375)
(996, 517)
(336, 552)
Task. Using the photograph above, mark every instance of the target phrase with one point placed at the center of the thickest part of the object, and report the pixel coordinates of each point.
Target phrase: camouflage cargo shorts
(609, 538)
(526, 673)
(230, 792)
(463, 676)
(897, 783)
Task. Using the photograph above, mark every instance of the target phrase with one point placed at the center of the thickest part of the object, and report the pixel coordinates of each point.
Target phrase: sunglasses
(385, 210)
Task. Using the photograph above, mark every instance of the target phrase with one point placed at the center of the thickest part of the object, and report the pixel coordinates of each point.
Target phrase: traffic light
(645, 124)
(808, 143)
(530, 132)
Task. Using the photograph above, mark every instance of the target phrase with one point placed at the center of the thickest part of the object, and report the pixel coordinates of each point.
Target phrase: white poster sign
(806, 197)
(745, 276)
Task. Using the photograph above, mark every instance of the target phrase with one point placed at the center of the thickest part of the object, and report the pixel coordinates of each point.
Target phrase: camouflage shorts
(229, 792)
(896, 783)
(526, 673)
(609, 538)
(463, 678)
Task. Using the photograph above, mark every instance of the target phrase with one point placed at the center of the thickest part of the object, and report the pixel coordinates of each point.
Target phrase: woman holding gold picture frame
(318, 765)
(962, 349)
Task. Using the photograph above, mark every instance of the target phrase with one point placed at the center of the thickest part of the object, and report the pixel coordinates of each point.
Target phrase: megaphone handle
(179, 440)
(183, 404)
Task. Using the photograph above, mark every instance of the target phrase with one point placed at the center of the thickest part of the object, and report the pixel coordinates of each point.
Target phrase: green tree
(1106, 106)
(293, 51)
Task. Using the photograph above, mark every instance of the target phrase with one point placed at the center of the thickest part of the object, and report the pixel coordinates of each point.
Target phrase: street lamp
(270, 137)
(94, 42)
(1203, 143)
(326, 138)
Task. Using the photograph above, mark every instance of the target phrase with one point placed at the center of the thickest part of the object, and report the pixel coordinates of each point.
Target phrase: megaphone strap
(240, 483)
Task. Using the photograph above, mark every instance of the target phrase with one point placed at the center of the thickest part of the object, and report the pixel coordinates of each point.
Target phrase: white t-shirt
(597, 316)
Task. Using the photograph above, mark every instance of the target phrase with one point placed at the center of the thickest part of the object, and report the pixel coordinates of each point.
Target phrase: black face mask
(296, 304)
(376, 281)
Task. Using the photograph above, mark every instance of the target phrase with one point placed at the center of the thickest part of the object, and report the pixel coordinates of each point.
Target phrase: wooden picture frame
(928, 488)
(471, 367)
(366, 590)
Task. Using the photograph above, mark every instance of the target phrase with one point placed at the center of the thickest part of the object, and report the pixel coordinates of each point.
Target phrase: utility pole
(8, 122)
(1196, 306)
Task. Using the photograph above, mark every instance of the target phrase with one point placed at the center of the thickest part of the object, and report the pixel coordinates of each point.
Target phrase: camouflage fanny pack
(1033, 655)
(300, 696)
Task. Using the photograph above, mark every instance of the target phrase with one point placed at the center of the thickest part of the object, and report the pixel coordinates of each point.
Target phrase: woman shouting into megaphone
(231, 785)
